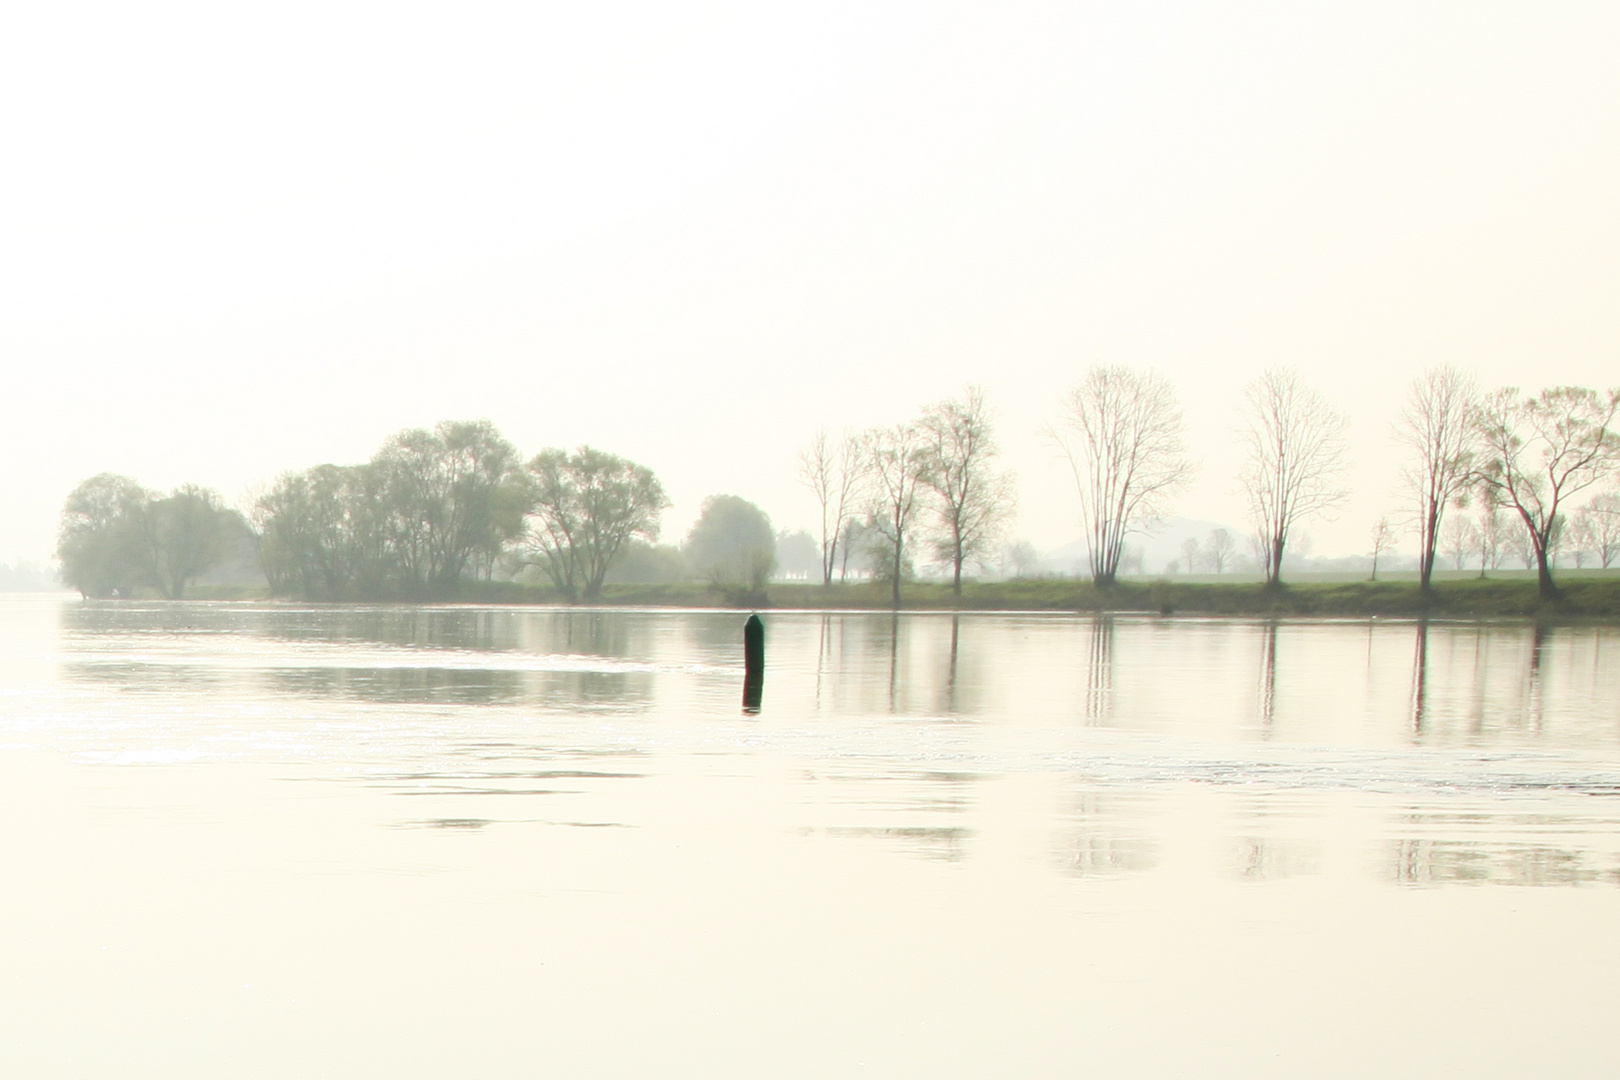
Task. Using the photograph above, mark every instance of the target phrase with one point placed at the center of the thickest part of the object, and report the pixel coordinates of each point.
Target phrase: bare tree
(1537, 452)
(971, 500)
(1520, 543)
(1190, 553)
(853, 534)
(1435, 428)
(1457, 540)
(1296, 455)
(1491, 536)
(1260, 552)
(1130, 560)
(896, 460)
(1020, 560)
(832, 471)
(1122, 433)
(1604, 514)
(1221, 548)
(1580, 538)
(1383, 538)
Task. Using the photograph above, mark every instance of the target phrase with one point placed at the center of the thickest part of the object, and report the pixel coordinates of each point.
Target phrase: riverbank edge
(1583, 598)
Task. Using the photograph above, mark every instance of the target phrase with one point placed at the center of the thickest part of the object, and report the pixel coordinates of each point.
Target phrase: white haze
(238, 240)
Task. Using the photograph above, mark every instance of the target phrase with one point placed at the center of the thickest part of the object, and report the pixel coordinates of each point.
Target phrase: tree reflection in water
(1420, 676)
(1489, 703)
(1268, 676)
(1100, 670)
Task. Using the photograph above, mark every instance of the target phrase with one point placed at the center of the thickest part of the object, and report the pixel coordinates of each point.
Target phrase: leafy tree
(99, 541)
(584, 507)
(798, 555)
(186, 534)
(1537, 452)
(320, 534)
(443, 497)
(641, 563)
(732, 544)
(428, 508)
(116, 536)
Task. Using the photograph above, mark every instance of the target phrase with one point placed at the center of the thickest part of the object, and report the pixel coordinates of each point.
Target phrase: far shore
(1587, 594)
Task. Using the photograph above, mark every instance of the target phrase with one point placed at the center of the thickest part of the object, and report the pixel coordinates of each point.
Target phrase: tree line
(430, 510)
(1519, 459)
(117, 536)
(930, 483)
(433, 508)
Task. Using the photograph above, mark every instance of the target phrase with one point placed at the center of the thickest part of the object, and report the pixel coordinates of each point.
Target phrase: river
(271, 840)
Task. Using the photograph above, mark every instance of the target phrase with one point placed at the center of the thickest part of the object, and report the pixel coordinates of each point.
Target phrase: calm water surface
(272, 841)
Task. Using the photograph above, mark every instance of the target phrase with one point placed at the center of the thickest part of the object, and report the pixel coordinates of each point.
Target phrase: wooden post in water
(753, 663)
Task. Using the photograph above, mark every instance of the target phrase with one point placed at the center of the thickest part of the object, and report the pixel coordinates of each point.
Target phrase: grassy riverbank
(1583, 598)
(1595, 596)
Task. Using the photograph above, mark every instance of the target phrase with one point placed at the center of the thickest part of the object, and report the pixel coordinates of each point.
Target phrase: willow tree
(1122, 433)
(1537, 452)
(732, 545)
(100, 542)
(116, 537)
(584, 508)
(1296, 456)
(445, 501)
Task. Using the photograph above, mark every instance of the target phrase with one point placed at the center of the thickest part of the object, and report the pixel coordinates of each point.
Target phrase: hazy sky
(239, 240)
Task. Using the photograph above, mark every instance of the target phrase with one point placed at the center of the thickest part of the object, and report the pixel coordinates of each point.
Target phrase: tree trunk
(899, 556)
(1539, 542)
(1431, 540)
(1544, 579)
(956, 568)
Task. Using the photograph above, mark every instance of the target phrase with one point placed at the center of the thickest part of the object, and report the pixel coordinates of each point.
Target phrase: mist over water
(491, 841)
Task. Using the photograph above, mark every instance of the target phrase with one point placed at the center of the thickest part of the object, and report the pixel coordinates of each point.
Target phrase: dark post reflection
(1477, 704)
(1100, 669)
(950, 671)
(753, 663)
(1538, 642)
